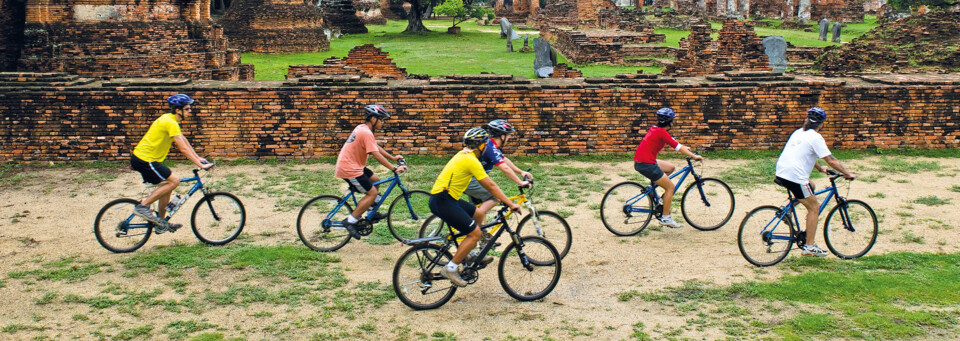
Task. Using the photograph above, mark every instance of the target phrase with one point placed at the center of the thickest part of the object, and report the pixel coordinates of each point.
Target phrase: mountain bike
(320, 225)
(707, 204)
(529, 267)
(217, 219)
(545, 224)
(849, 232)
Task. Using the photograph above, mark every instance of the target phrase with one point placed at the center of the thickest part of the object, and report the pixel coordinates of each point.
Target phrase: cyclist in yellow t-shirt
(445, 199)
(152, 150)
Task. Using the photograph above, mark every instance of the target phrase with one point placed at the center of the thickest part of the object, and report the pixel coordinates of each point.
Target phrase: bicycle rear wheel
(433, 226)
(417, 280)
(857, 238)
(615, 213)
(711, 209)
(550, 226)
(118, 229)
(319, 233)
(758, 236)
(218, 218)
(403, 223)
(529, 271)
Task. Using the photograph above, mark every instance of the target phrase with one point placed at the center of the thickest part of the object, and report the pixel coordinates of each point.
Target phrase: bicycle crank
(470, 275)
(364, 227)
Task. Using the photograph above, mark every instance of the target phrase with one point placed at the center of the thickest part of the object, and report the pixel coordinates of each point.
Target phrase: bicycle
(759, 228)
(320, 226)
(418, 283)
(548, 224)
(623, 202)
(217, 219)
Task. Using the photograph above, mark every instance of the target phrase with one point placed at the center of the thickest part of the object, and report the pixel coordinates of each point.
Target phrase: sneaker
(473, 256)
(146, 213)
(173, 227)
(813, 250)
(669, 222)
(351, 228)
(453, 276)
(378, 217)
(159, 228)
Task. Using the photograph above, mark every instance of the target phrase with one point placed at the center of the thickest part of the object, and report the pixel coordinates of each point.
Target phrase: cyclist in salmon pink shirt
(645, 160)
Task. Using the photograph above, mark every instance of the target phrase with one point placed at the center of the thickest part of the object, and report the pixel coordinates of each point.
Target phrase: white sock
(665, 216)
(351, 219)
(451, 266)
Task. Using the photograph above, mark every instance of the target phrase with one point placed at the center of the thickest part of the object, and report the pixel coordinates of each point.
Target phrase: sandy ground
(49, 215)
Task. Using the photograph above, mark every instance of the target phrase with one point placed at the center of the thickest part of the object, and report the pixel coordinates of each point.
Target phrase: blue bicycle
(849, 232)
(217, 219)
(320, 226)
(627, 207)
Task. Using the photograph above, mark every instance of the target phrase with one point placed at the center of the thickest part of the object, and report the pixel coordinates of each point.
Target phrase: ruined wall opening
(13, 16)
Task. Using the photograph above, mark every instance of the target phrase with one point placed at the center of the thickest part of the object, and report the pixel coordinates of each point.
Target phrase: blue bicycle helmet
(816, 115)
(666, 112)
(179, 100)
(377, 111)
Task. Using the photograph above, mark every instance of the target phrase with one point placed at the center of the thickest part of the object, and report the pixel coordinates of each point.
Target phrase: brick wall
(341, 14)
(837, 10)
(12, 16)
(99, 121)
(562, 70)
(274, 26)
(369, 12)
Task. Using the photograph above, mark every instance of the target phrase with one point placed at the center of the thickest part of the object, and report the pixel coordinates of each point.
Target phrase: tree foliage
(460, 12)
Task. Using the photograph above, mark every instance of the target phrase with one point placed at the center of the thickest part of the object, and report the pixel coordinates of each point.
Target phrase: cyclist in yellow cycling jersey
(445, 199)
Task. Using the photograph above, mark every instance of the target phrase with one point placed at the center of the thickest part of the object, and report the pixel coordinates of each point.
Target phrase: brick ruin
(789, 10)
(363, 61)
(369, 12)
(920, 43)
(393, 10)
(12, 16)
(57, 117)
(275, 26)
(738, 48)
(128, 38)
(562, 70)
(341, 15)
(517, 11)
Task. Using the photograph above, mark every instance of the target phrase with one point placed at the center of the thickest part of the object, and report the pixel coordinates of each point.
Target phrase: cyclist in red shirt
(645, 160)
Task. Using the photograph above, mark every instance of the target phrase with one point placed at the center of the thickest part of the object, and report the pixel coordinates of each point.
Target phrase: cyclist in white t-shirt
(798, 158)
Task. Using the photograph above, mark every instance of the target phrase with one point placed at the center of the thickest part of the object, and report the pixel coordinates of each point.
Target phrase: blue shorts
(650, 170)
(456, 213)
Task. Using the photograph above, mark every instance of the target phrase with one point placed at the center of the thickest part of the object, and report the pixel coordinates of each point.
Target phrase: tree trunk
(414, 18)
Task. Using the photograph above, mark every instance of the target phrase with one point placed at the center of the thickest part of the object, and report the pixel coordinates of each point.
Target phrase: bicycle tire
(612, 209)
(411, 280)
(112, 223)
(310, 222)
(543, 261)
(838, 237)
(433, 226)
(720, 205)
(557, 232)
(401, 222)
(218, 211)
(750, 234)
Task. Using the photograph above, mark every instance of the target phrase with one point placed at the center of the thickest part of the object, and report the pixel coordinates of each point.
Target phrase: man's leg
(162, 193)
(365, 202)
(813, 213)
(667, 186)
(469, 242)
(481, 214)
(667, 167)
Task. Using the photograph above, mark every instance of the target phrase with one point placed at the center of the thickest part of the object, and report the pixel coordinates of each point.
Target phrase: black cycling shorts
(152, 172)
(800, 191)
(362, 183)
(456, 213)
(650, 170)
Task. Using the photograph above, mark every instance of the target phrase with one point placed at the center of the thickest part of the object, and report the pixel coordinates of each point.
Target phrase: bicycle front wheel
(404, 221)
(618, 216)
(319, 223)
(218, 218)
(549, 226)
(118, 229)
(417, 280)
(763, 240)
(432, 227)
(854, 239)
(708, 204)
(529, 270)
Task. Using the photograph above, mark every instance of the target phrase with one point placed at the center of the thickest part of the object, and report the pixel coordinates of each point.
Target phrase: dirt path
(47, 214)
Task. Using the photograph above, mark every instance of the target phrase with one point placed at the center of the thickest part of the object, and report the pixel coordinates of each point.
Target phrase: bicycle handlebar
(197, 170)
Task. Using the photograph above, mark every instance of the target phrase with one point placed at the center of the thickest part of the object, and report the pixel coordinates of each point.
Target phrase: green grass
(888, 296)
(284, 262)
(803, 38)
(931, 200)
(68, 269)
(478, 49)
(898, 165)
(759, 171)
(955, 188)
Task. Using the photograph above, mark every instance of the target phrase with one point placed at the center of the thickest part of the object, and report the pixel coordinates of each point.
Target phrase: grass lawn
(480, 49)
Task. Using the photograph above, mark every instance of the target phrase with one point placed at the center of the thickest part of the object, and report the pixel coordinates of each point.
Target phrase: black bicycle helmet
(376, 110)
(500, 127)
(475, 137)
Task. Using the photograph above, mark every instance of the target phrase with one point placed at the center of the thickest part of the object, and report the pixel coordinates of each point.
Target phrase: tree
(460, 12)
(418, 10)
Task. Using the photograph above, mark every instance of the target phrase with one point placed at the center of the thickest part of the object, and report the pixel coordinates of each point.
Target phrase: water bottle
(173, 205)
